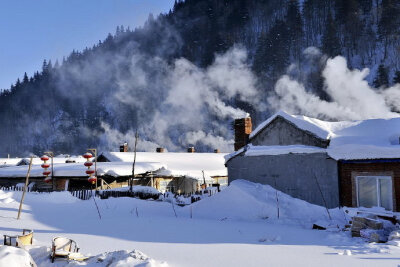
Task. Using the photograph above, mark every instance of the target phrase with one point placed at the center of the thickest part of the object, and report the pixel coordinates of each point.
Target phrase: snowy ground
(237, 227)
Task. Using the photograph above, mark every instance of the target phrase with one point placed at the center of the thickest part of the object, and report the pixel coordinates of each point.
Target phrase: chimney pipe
(123, 148)
(190, 149)
(243, 128)
(160, 150)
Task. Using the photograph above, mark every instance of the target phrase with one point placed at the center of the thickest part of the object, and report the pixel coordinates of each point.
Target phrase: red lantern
(44, 158)
(47, 179)
(46, 173)
(87, 155)
(45, 165)
(92, 179)
(88, 163)
(89, 172)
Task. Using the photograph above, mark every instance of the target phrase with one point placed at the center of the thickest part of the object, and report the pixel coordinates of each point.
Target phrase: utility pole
(134, 160)
(25, 188)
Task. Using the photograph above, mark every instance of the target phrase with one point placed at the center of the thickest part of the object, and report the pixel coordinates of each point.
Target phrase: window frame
(378, 188)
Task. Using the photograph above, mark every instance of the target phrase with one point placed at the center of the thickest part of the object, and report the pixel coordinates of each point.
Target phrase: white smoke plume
(186, 102)
(352, 97)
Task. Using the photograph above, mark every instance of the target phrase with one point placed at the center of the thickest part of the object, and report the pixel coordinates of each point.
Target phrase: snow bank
(15, 257)
(244, 200)
(145, 189)
(124, 258)
(120, 258)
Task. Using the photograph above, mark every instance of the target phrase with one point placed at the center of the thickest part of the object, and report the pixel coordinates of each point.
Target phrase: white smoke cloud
(185, 101)
(111, 139)
(352, 97)
(207, 139)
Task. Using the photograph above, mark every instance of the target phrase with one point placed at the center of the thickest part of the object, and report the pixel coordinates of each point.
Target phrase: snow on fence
(29, 189)
(113, 193)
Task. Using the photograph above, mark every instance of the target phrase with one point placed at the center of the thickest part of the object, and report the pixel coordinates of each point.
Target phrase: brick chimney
(160, 150)
(190, 149)
(123, 148)
(243, 128)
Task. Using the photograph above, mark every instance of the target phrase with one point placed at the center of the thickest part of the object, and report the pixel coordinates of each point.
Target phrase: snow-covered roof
(366, 139)
(57, 159)
(78, 169)
(178, 164)
(6, 162)
(315, 126)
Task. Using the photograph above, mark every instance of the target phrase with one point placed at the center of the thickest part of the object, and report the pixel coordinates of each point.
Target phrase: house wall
(182, 185)
(349, 170)
(281, 132)
(294, 175)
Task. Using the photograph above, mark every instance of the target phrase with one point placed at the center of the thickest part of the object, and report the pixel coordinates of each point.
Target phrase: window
(374, 191)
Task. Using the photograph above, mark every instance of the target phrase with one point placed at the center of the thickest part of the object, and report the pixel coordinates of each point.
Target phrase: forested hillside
(182, 77)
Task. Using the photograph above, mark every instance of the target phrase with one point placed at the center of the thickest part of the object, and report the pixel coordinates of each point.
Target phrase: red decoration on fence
(45, 166)
(89, 172)
(44, 158)
(92, 178)
(87, 155)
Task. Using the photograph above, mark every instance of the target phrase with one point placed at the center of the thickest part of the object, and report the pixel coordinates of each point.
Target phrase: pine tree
(272, 52)
(330, 39)
(389, 24)
(18, 84)
(382, 77)
(295, 32)
(44, 66)
(396, 78)
(25, 80)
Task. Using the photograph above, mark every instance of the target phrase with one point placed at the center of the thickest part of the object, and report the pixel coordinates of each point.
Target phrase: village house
(326, 163)
(182, 173)
(72, 176)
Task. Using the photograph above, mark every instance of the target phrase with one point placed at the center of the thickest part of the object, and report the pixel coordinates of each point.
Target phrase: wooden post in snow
(276, 195)
(322, 196)
(134, 160)
(25, 187)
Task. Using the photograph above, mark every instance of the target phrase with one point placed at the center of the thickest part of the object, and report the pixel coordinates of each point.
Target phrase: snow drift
(244, 200)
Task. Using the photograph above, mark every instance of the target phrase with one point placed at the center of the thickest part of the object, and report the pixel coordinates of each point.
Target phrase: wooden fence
(113, 193)
(29, 189)
(82, 194)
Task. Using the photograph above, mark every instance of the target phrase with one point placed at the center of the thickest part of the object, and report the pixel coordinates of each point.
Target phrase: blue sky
(33, 30)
